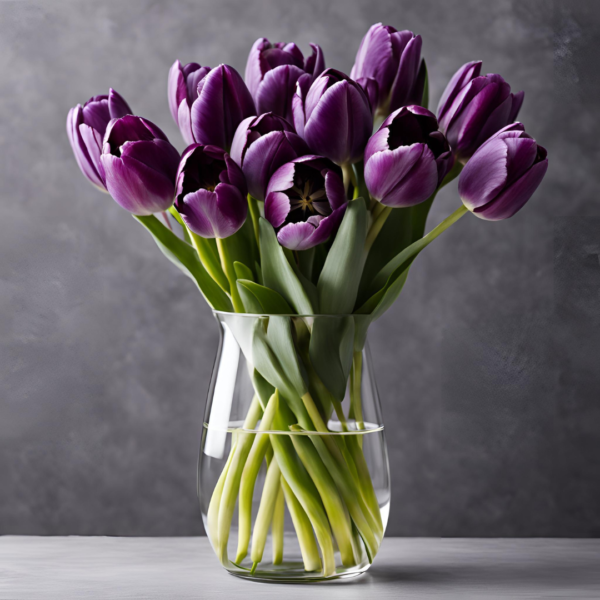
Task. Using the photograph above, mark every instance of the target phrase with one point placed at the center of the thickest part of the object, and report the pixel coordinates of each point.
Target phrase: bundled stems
(227, 265)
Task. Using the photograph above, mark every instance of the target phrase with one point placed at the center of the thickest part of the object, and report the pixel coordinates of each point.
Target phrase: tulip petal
(376, 57)
(513, 198)
(282, 179)
(254, 67)
(277, 208)
(184, 119)
(82, 155)
(484, 175)
(517, 102)
(315, 64)
(96, 115)
(176, 89)
(407, 73)
(276, 90)
(117, 106)
(136, 187)
(156, 154)
(93, 143)
(459, 80)
(334, 189)
(315, 231)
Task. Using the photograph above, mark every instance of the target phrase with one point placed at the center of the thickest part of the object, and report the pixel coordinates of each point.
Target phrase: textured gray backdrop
(488, 366)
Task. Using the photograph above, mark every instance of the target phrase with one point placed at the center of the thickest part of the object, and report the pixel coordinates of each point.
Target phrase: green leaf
(340, 277)
(184, 256)
(331, 347)
(277, 272)
(262, 387)
(242, 271)
(249, 300)
(269, 300)
(184, 230)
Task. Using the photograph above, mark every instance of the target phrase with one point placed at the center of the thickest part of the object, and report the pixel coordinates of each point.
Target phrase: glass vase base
(293, 572)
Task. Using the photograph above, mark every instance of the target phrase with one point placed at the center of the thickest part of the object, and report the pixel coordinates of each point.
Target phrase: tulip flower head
(211, 192)
(223, 102)
(388, 66)
(182, 91)
(272, 71)
(473, 108)
(407, 158)
(86, 126)
(503, 174)
(139, 165)
(333, 116)
(261, 145)
(305, 202)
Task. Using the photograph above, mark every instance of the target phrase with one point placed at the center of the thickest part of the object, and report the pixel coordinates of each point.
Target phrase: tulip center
(304, 198)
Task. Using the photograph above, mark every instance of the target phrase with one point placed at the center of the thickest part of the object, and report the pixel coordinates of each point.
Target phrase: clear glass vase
(293, 475)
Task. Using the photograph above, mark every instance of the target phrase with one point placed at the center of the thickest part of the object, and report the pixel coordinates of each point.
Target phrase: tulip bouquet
(302, 192)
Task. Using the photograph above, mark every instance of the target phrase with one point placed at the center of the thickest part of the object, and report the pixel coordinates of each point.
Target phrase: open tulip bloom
(286, 202)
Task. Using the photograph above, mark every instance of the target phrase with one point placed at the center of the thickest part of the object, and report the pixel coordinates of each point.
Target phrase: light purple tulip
(223, 102)
(406, 160)
(86, 126)
(473, 108)
(391, 61)
(182, 91)
(305, 202)
(261, 145)
(272, 71)
(140, 165)
(333, 116)
(503, 174)
(211, 192)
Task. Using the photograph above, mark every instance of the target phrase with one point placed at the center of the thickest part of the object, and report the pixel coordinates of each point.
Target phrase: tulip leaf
(331, 347)
(277, 272)
(340, 277)
(184, 256)
(249, 300)
(270, 302)
(184, 230)
(263, 388)
(242, 271)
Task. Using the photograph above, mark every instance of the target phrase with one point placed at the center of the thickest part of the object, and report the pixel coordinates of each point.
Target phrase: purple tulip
(140, 165)
(223, 102)
(86, 126)
(211, 192)
(272, 71)
(182, 91)
(503, 174)
(333, 116)
(261, 145)
(305, 202)
(390, 60)
(473, 108)
(406, 160)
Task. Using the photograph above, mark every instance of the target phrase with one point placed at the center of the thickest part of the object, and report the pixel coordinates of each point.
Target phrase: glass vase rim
(303, 316)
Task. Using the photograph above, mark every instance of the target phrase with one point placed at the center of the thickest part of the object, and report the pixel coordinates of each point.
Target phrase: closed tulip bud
(86, 126)
(333, 116)
(261, 145)
(140, 165)
(407, 158)
(473, 108)
(272, 71)
(503, 174)
(390, 59)
(305, 202)
(182, 91)
(211, 192)
(223, 102)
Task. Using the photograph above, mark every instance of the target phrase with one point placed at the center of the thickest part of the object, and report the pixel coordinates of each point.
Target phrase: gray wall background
(488, 366)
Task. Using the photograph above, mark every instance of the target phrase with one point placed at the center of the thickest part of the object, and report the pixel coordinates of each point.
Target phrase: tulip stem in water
(227, 265)
(277, 527)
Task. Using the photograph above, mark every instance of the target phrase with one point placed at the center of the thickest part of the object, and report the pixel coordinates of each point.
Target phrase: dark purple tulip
(503, 174)
(261, 145)
(182, 91)
(333, 116)
(473, 108)
(223, 103)
(406, 160)
(305, 202)
(211, 192)
(390, 60)
(272, 71)
(86, 126)
(140, 165)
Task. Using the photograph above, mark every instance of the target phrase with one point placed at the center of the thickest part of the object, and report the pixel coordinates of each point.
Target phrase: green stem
(349, 176)
(265, 513)
(254, 215)
(277, 527)
(209, 260)
(355, 390)
(304, 531)
(234, 474)
(227, 265)
(249, 475)
(376, 226)
(337, 513)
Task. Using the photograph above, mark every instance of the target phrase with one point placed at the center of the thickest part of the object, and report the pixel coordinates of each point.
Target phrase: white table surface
(66, 568)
